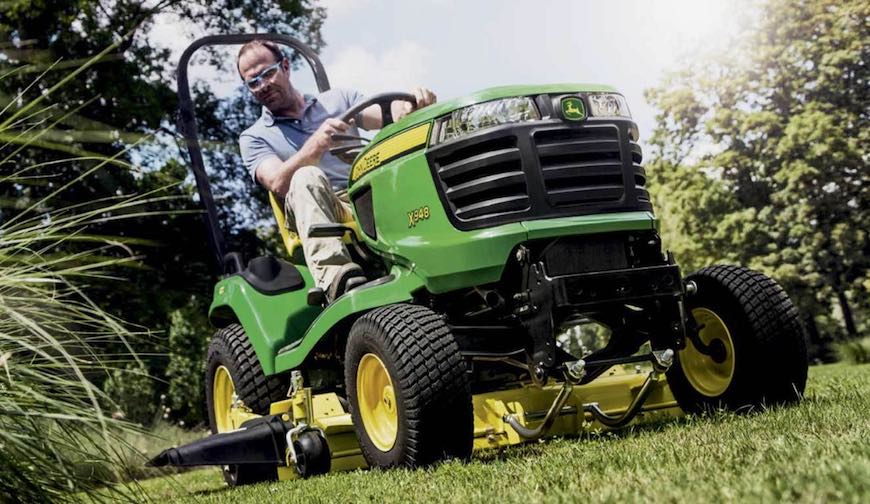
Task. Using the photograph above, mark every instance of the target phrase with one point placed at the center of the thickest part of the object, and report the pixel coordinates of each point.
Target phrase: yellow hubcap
(707, 376)
(223, 391)
(377, 402)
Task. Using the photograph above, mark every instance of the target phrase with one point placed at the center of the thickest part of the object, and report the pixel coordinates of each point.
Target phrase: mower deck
(529, 404)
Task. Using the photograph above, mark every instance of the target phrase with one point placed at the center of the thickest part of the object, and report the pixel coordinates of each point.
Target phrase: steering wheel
(349, 152)
(383, 100)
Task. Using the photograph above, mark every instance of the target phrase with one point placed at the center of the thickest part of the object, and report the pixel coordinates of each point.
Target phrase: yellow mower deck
(613, 393)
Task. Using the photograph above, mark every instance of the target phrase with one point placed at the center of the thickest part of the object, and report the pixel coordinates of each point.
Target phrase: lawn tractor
(489, 227)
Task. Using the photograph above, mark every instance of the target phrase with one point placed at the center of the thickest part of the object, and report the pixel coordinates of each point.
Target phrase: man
(287, 152)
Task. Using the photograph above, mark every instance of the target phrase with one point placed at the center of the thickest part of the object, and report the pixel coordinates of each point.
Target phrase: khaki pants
(311, 200)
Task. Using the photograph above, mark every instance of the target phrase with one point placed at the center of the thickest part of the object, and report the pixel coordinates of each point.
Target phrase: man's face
(272, 92)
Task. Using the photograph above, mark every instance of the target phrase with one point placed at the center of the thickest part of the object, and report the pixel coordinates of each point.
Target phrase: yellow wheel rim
(707, 376)
(377, 402)
(223, 391)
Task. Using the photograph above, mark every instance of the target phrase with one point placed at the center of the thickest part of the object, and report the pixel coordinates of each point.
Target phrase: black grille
(539, 170)
(581, 166)
(484, 179)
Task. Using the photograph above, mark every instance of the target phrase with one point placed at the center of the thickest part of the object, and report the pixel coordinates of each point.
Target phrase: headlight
(486, 115)
(607, 105)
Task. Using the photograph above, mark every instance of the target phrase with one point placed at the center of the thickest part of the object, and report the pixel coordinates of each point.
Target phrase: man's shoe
(350, 275)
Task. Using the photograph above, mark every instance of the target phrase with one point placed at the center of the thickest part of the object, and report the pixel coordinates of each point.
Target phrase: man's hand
(425, 97)
(321, 140)
(275, 175)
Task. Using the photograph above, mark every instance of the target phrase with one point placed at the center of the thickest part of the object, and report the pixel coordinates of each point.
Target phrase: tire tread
(774, 353)
(431, 372)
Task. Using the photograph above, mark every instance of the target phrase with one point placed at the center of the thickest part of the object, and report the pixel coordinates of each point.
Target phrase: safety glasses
(257, 81)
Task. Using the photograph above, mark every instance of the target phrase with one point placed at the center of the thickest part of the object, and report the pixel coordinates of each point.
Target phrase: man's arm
(275, 175)
(371, 117)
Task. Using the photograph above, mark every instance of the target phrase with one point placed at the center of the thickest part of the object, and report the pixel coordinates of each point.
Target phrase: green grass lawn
(818, 451)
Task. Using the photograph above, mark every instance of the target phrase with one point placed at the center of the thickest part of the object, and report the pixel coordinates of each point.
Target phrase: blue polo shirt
(284, 136)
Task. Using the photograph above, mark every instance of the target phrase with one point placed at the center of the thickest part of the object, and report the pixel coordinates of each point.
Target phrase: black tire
(231, 348)
(767, 335)
(432, 391)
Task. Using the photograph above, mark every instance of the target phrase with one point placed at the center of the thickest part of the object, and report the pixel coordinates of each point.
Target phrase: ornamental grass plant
(57, 434)
(58, 438)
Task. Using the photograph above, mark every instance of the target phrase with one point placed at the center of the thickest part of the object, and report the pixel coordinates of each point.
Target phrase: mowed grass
(818, 451)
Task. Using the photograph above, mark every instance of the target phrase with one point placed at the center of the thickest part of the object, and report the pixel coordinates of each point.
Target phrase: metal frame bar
(188, 125)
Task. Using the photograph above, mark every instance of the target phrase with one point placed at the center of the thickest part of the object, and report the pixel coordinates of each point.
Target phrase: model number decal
(417, 215)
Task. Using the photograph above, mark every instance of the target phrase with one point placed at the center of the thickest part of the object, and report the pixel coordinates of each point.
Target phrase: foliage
(760, 158)
(855, 351)
(816, 451)
(581, 339)
(53, 419)
(124, 101)
(132, 390)
(188, 341)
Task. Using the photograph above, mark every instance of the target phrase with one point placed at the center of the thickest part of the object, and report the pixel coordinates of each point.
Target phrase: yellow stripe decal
(390, 148)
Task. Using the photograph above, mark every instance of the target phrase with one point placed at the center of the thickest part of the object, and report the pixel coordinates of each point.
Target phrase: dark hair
(268, 44)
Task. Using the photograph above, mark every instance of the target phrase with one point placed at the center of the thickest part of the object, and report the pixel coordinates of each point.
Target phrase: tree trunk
(847, 313)
(812, 330)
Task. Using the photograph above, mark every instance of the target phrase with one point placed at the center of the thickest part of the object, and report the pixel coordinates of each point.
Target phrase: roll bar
(188, 126)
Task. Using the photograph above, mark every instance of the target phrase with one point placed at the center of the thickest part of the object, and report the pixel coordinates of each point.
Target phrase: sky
(458, 47)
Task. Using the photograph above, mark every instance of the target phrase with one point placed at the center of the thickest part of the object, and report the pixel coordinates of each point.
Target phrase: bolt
(521, 297)
(691, 287)
(664, 359)
(577, 370)
(522, 253)
(540, 373)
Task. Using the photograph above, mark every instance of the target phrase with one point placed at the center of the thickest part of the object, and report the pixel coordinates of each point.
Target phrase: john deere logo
(572, 108)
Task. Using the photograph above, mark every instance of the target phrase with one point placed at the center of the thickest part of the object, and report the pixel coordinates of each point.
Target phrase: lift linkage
(574, 373)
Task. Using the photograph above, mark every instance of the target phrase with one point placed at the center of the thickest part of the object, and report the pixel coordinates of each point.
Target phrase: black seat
(269, 275)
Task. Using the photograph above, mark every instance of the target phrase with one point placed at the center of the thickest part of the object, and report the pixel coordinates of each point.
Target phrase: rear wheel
(408, 389)
(233, 373)
(751, 347)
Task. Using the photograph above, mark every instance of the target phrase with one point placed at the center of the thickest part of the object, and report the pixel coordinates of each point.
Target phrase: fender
(282, 336)
(270, 321)
(397, 287)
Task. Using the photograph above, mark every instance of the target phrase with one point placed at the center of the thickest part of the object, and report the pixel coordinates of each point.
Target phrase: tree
(126, 103)
(760, 157)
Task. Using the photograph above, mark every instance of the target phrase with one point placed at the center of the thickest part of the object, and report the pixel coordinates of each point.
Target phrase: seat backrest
(291, 240)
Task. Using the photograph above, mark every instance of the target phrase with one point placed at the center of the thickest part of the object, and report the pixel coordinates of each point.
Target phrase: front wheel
(750, 349)
(233, 373)
(408, 389)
